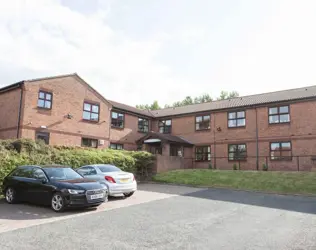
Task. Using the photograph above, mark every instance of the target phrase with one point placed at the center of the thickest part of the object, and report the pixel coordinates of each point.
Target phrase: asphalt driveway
(168, 217)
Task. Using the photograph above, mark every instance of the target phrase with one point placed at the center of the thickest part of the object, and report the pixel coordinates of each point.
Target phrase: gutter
(257, 141)
(20, 111)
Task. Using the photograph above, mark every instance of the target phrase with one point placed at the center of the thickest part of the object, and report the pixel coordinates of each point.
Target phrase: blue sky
(139, 51)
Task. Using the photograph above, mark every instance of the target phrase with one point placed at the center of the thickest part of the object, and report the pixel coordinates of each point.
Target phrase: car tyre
(128, 194)
(10, 195)
(58, 202)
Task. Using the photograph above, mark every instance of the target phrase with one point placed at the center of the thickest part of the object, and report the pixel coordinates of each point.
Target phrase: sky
(137, 51)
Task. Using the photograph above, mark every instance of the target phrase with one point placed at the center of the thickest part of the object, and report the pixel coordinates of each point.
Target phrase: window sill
(89, 121)
(42, 108)
(237, 127)
(279, 123)
(202, 130)
(118, 128)
(236, 160)
(281, 159)
(202, 160)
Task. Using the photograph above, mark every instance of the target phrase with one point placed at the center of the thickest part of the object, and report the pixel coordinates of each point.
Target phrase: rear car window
(108, 168)
(25, 172)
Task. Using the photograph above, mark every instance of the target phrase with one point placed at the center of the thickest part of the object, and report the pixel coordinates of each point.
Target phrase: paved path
(168, 217)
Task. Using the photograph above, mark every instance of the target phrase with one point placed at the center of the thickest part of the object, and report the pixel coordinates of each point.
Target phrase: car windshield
(108, 168)
(62, 174)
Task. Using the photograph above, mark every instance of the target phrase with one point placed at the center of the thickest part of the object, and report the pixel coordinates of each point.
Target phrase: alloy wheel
(9, 195)
(57, 202)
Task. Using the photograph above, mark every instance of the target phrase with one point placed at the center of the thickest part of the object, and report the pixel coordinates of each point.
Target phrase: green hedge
(14, 153)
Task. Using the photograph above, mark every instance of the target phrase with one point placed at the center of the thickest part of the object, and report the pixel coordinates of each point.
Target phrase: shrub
(264, 167)
(210, 166)
(235, 166)
(14, 153)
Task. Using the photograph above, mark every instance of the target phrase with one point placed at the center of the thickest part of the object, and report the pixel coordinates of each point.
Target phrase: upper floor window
(202, 122)
(116, 146)
(279, 114)
(165, 126)
(44, 100)
(203, 153)
(117, 120)
(237, 152)
(143, 125)
(236, 119)
(91, 111)
(87, 142)
(280, 151)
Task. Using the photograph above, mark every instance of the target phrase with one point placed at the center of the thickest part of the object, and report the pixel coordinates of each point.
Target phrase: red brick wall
(129, 135)
(301, 131)
(68, 97)
(9, 113)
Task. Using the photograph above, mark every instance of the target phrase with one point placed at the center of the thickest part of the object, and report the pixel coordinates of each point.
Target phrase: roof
(131, 109)
(244, 101)
(166, 138)
(18, 84)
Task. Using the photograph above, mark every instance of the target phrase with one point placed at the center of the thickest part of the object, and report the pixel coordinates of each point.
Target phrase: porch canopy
(154, 138)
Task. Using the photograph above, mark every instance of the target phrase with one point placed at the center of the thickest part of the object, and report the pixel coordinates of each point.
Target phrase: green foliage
(210, 166)
(15, 153)
(153, 106)
(189, 100)
(235, 166)
(264, 167)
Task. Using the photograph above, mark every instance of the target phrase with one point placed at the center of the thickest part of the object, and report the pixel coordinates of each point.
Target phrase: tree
(227, 95)
(189, 100)
(203, 98)
(153, 106)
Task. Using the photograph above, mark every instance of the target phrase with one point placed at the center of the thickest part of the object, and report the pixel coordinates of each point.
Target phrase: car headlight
(75, 191)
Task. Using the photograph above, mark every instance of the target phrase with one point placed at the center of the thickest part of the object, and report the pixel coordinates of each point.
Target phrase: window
(281, 151)
(202, 122)
(176, 150)
(116, 146)
(143, 125)
(117, 120)
(203, 153)
(91, 111)
(87, 142)
(25, 172)
(87, 171)
(165, 126)
(237, 152)
(62, 174)
(44, 136)
(279, 115)
(109, 168)
(44, 100)
(39, 174)
(236, 119)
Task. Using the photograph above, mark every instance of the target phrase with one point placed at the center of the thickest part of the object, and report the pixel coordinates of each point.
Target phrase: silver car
(117, 181)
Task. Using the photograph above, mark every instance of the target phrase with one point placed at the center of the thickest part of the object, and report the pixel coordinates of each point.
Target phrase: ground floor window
(116, 146)
(42, 136)
(88, 142)
(176, 150)
(237, 152)
(203, 153)
(281, 151)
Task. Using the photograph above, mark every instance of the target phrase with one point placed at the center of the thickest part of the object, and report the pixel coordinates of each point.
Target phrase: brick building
(276, 129)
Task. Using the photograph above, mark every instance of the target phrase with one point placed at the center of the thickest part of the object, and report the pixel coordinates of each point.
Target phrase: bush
(14, 153)
(264, 167)
(235, 166)
(210, 166)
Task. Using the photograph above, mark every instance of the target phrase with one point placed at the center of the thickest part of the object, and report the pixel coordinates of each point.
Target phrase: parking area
(167, 217)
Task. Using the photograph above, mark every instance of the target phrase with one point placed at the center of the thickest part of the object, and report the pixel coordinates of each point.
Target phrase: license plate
(96, 196)
(124, 180)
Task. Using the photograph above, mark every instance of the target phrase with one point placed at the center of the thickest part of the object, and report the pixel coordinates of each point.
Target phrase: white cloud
(48, 38)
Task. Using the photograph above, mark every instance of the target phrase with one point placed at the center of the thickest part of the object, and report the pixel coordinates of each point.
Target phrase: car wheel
(10, 195)
(58, 202)
(128, 194)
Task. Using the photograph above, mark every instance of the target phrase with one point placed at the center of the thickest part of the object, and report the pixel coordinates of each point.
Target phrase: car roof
(45, 166)
(98, 165)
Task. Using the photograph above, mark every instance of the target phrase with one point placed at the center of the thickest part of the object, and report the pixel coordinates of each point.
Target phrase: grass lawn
(279, 182)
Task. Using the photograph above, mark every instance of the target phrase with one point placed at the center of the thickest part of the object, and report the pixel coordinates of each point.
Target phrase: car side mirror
(44, 181)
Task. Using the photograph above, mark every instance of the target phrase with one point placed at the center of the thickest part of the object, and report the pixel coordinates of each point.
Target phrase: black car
(57, 186)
